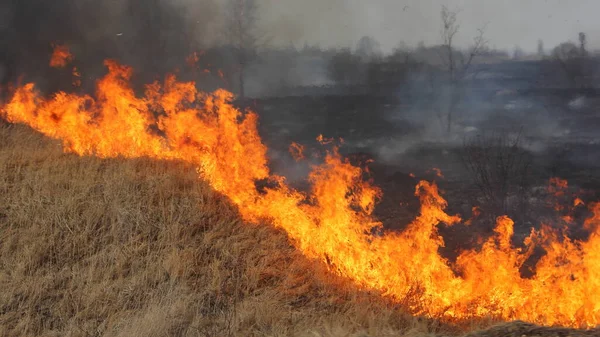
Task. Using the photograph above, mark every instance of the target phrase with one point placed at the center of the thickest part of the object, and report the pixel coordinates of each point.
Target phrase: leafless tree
(242, 33)
(457, 63)
(582, 44)
(449, 29)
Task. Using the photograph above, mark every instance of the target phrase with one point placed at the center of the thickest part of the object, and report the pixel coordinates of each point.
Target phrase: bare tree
(582, 44)
(242, 32)
(456, 62)
(449, 30)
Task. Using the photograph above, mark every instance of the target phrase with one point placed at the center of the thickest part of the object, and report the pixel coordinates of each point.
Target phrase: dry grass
(92, 247)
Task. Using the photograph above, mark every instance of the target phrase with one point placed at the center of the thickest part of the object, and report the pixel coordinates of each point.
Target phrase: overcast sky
(509, 22)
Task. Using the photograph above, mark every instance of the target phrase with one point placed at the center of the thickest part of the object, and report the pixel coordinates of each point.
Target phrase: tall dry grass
(92, 247)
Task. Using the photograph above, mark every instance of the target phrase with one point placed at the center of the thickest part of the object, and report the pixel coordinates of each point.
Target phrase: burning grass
(138, 247)
(115, 247)
(331, 225)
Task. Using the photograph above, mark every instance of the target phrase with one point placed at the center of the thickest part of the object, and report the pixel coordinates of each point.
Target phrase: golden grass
(92, 247)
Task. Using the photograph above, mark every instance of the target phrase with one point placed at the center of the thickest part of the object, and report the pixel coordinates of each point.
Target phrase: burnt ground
(405, 142)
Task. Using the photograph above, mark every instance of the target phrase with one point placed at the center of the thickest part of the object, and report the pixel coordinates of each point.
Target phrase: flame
(61, 56)
(476, 212)
(297, 151)
(438, 172)
(324, 141)
(192, 60)
(76, 77)
(333, 222)
(560, 199)
(557, 186)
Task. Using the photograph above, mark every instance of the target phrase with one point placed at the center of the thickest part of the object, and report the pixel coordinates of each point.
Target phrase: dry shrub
(500, 169)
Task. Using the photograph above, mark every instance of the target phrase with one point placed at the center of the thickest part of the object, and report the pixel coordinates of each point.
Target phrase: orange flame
(476, 212)
(336, 224)
(437, 172)
(192, 60)
(297, 151)
(76, 77)
(557, 186)
(61, 56)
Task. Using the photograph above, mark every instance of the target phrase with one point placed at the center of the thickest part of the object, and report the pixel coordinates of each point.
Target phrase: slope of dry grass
(92, 247)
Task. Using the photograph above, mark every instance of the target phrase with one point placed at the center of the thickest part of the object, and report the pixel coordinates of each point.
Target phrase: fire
(333, 222)
(324, 141)
(61, 56)
(557, 186)
(297, 151)
(438, 172)
(192, 60)
(76, 77)
(476, 212)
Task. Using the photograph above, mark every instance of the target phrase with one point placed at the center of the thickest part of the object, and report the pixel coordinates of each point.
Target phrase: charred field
(550, 141)
(386, 135)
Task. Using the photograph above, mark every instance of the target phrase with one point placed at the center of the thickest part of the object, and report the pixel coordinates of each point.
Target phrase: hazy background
(510, 22)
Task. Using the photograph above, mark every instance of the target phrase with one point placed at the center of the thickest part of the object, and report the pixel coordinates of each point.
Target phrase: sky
(509, 23)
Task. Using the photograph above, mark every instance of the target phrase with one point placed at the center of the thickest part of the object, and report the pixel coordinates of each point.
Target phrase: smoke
(154, 36)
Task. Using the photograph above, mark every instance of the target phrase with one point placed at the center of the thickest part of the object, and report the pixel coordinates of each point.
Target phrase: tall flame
(333, 222)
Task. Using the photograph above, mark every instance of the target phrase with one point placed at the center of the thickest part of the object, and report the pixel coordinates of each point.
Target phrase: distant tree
(582, 44)
(449, 29)
(518, 53)
(541, 53)
(241, 29)
(457, 63)
(393, 71)
(402, 52)
(568, 56)
(345, 67)
(565, 51)
(368, 48)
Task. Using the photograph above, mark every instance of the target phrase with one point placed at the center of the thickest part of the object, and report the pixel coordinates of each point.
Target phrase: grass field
(92, 247)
